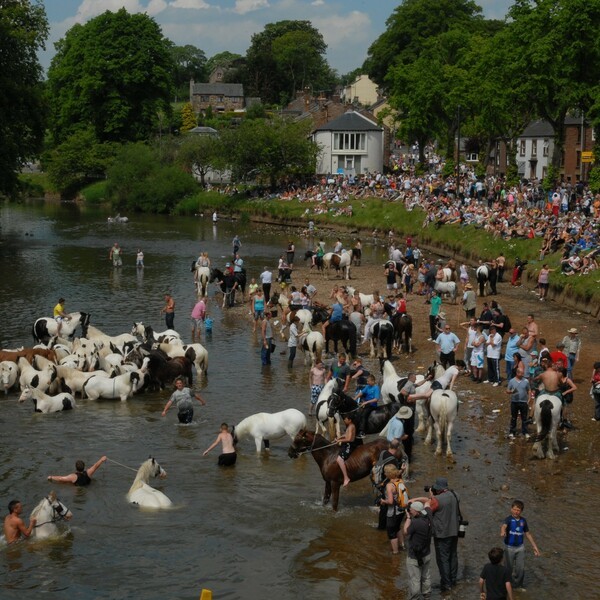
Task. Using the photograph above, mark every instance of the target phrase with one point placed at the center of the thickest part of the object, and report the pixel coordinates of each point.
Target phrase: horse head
(215, 274)
(59, 511)
(303, 441)
(26, 394)
(157, 470)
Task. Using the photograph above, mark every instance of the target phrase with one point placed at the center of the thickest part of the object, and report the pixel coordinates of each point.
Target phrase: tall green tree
(115, 74)
(189, 63)
(275, 66)
(200, 154)
(23, 31)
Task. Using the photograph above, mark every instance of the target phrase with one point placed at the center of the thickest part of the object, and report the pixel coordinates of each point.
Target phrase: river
(257, 530)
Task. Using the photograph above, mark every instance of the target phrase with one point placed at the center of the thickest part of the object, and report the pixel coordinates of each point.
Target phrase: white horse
(434, 371)
(74, 379)
(304, 316)
(9, 372)
(169, 336)
(449, 274)
(326, 425)
(264, 427)
(443, 408)
(311, 343)
(30, 376)
(547, 418)
(447, 287)
(120, 386)
(144, 495)
(365, 299)
(201, 277)
(49, 513)
(392, 384)
(47, 327)
(43, 403)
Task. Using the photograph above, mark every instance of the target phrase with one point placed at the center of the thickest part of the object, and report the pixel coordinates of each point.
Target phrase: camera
(462, 528)
(427, 488)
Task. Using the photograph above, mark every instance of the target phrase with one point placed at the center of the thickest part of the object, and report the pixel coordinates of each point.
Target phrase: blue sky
(348, 26)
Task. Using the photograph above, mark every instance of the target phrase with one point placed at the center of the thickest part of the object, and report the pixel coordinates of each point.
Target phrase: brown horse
(359, 464)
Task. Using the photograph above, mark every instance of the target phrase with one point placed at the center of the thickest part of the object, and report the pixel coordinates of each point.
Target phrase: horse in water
(546, 415)
(443, 408)
(144, 495)
(311, 343)
(264, 427)
(358, 464)
(341, 331)
(327, 424)
(201, 277)
(47, 327)
(50, 513)
(379, 417)
(42, 403)
(240, 279)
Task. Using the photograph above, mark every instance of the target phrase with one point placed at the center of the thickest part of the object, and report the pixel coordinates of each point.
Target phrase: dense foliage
(23, 31)
(115, 74)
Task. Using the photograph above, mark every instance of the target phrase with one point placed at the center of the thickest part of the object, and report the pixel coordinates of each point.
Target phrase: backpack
(421, 551)
(377, 474)
(402, 500)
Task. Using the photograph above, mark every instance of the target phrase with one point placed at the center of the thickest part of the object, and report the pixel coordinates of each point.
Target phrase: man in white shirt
(266, 278)
(493, 348)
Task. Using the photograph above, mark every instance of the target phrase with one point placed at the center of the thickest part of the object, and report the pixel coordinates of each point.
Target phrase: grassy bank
(368, 214)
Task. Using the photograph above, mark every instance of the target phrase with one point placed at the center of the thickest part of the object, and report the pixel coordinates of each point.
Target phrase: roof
(219, 89)
(350, 121)
(204, 130)
(538, 129)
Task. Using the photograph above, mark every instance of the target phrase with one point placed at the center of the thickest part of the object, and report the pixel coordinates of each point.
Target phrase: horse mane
(143, 474)
(51, 497)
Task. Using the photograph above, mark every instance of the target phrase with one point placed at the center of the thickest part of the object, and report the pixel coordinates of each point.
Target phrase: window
(472, 157)
(203, 98)
(578, 165)
(534, 148)
(522, 148)
(349, 163)
(349, 141)
(546, 147)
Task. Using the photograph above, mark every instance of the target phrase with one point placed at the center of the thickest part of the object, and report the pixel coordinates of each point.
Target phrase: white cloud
(195, 4)
(317, 3)
(245, 6)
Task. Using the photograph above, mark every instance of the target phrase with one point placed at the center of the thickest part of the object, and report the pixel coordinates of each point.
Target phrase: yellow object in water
(206, 595)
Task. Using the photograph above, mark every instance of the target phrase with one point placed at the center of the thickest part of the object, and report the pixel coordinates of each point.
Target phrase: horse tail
(443, 416)
(545, 419)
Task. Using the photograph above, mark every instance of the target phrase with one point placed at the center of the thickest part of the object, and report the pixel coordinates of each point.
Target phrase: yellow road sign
(587, 157)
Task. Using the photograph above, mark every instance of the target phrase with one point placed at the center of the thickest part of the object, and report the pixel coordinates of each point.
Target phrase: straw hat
(468, 286)
(573, 330)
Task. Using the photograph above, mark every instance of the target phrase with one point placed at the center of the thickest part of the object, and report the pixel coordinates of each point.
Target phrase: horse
(482, 274)
(49, 513)
(163, 370)
(341, 262)
(318, 260)
(43, 403)
(46, 327)
(341, 331)
(446, 287)
(201, 277)
(196, 352)
(434, 371)
(546, 415)
(358, 464)
(378, 418)
(120, 386)
(266, 426)
(312, 344)
(168, 336)
(443, 407)
(9, 372)
(392, 383)
(240, 279)
(403, 327)
(382, 340)
(144, 495)
(449, 274)
(322, 410)
(42, 380)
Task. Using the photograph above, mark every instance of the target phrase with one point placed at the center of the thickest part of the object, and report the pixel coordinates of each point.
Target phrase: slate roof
(538, 129)
(219, 89)
(204, 130)
(350, 121)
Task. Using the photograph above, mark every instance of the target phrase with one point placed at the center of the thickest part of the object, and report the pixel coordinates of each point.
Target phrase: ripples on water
(257, 530)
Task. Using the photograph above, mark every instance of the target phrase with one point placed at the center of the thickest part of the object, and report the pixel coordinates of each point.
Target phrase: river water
(257, 530)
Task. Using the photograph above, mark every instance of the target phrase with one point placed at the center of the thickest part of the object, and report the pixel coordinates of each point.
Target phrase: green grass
(95, 193)
(36, 184)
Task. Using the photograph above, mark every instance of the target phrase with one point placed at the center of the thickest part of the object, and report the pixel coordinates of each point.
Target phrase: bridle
(58, 512)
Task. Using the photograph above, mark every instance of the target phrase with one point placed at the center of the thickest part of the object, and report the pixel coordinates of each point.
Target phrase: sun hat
(418, 507)
(573, 330)
(441, 483)
(468, 286)
(405, 412)
(442, 315)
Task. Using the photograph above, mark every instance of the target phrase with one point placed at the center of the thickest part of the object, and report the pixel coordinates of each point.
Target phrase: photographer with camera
(418, 530)
(446, 521)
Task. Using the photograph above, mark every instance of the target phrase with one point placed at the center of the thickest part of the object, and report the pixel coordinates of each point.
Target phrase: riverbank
(373, 218)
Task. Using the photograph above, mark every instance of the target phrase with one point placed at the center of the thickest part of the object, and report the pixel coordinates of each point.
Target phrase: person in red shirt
(559, 355)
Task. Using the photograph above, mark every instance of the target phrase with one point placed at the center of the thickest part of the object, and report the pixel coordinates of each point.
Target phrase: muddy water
(257, 530)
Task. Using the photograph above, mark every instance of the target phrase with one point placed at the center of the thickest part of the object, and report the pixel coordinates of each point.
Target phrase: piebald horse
(201, 277)
(340, 262)
(264, 427)
(311, 343)
(42, 403)
(482, 274)
(358, 464)
(546, 415)
(144, 495)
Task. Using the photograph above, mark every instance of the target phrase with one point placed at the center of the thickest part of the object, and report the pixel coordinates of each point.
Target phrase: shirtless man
(14, 526)
(81, 477)
(533, 329)
(551, 380)
(228, 457)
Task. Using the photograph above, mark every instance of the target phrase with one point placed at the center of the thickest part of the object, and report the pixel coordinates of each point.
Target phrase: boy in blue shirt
(367, 400)
(513, 530)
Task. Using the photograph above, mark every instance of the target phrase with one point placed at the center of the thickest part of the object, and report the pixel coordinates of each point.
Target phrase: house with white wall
(362, 91)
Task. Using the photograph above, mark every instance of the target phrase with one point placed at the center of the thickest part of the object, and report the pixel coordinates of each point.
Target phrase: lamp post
(458, 152)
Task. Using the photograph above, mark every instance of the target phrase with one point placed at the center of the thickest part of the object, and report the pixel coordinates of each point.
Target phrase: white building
(362, 91)
(351, 144)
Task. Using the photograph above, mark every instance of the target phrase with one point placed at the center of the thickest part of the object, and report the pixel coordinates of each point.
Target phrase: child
(513, 529)
(347, 443)
(367, 401)
(494, 581)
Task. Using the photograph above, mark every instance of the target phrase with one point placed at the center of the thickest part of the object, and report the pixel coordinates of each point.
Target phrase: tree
(188, 117)
(222, 59)
(274, 67)
(200, 154)
(23, 31)
(271, 150)
(189, 63)
(115, 74)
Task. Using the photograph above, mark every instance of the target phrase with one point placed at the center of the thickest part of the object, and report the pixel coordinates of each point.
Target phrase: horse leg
(258, 443)
(336, 495)
(440, 436)
(449, 427)
(372, 352)
(327, 493)
(429, 435)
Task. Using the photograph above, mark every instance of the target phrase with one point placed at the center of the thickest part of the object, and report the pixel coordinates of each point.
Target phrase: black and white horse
(218, 275)
(482, 274)
(382, 340)
(547, 418)
(47, 327)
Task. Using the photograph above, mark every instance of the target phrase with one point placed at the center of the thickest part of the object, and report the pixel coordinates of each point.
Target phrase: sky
(349, 27)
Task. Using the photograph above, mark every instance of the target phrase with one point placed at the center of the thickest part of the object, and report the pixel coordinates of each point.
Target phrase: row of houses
(355, 139)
